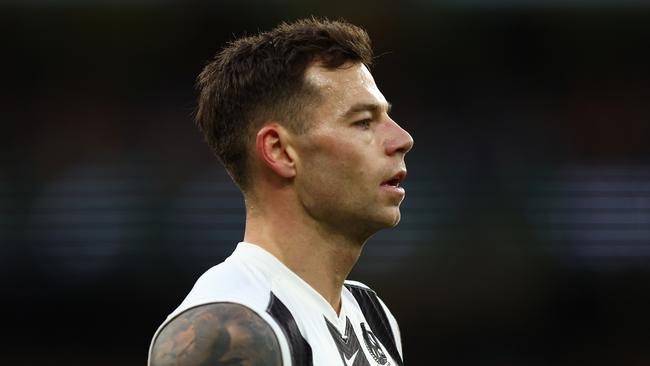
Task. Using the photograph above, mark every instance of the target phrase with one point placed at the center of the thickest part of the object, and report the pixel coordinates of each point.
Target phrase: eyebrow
(363, 107)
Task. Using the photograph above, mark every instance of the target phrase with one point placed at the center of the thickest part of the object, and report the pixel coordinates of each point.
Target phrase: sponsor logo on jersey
(350, 361)
(350, 348)
(348, 344)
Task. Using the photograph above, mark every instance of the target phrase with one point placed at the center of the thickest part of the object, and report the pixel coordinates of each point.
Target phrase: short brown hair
(259, 78)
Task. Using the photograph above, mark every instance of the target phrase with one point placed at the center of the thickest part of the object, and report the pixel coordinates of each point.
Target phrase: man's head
(295, 113)
(262, 78)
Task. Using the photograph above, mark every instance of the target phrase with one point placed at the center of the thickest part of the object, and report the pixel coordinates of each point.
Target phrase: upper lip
(396, 178)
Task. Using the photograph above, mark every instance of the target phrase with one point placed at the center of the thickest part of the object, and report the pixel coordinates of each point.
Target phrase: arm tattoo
(217, 335)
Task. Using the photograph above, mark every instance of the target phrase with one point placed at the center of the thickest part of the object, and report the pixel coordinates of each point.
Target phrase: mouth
(396, 179)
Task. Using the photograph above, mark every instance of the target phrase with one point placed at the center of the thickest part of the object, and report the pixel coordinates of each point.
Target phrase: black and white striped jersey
(309, 331)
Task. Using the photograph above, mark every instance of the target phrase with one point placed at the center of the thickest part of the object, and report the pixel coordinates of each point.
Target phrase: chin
(385, 219)
(391, 220)
(396, 221)
(397, 216)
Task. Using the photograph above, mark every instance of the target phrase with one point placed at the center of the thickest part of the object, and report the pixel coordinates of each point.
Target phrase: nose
(398, 140)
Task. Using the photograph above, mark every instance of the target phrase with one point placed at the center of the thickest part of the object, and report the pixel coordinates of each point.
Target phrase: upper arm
(216, 334)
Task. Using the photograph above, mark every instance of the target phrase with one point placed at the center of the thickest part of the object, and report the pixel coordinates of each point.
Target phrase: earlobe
(273, 149)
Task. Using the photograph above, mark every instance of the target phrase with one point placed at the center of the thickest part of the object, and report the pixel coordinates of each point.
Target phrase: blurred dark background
(525, 237)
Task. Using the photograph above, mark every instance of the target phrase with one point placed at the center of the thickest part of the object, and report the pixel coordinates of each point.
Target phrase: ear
(273, 150)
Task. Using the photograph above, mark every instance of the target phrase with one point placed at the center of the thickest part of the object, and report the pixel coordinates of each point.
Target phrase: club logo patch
(373, 345)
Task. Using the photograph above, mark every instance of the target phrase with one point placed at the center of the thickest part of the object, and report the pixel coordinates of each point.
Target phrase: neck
(321, 257)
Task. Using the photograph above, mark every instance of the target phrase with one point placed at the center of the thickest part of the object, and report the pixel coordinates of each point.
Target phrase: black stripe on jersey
(377, 319)
(298, 346)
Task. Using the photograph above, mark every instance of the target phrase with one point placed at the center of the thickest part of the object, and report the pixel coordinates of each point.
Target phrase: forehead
(345, 86)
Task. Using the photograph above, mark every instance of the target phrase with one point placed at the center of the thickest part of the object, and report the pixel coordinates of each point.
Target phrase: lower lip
(393, 189)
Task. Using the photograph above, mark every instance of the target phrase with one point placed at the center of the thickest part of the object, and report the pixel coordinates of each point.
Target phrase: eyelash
(364, 123)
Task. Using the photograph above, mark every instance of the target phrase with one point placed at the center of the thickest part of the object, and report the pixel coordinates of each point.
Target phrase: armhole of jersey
(279, 334)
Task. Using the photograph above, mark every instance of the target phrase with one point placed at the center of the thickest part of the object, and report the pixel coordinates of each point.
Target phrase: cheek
(333, 169)
(336, 159)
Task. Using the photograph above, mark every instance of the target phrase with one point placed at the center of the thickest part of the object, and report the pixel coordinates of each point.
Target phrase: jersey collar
(288, 281)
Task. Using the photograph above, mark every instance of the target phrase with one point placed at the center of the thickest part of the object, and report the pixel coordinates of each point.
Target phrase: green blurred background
(525, 237)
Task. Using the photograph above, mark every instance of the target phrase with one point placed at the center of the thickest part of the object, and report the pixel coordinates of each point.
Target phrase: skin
(217, 335)
(316, 198)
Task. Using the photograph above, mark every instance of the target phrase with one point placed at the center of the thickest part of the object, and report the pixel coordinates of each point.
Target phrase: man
(297, 120)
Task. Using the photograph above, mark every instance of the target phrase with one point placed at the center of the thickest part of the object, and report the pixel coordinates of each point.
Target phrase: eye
(364, 123)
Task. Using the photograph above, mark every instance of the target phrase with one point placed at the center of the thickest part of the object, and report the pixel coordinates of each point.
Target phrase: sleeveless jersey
(309, 331)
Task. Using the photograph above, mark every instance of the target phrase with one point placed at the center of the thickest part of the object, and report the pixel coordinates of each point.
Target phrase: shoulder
(357, 284)
(368, 298)
(228, 282)
(216, 334)
(362, 293)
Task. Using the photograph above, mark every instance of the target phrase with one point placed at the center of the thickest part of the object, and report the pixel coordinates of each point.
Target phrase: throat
(321, 258)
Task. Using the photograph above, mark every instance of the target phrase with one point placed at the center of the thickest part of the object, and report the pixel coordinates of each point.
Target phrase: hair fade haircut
(261, 78)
